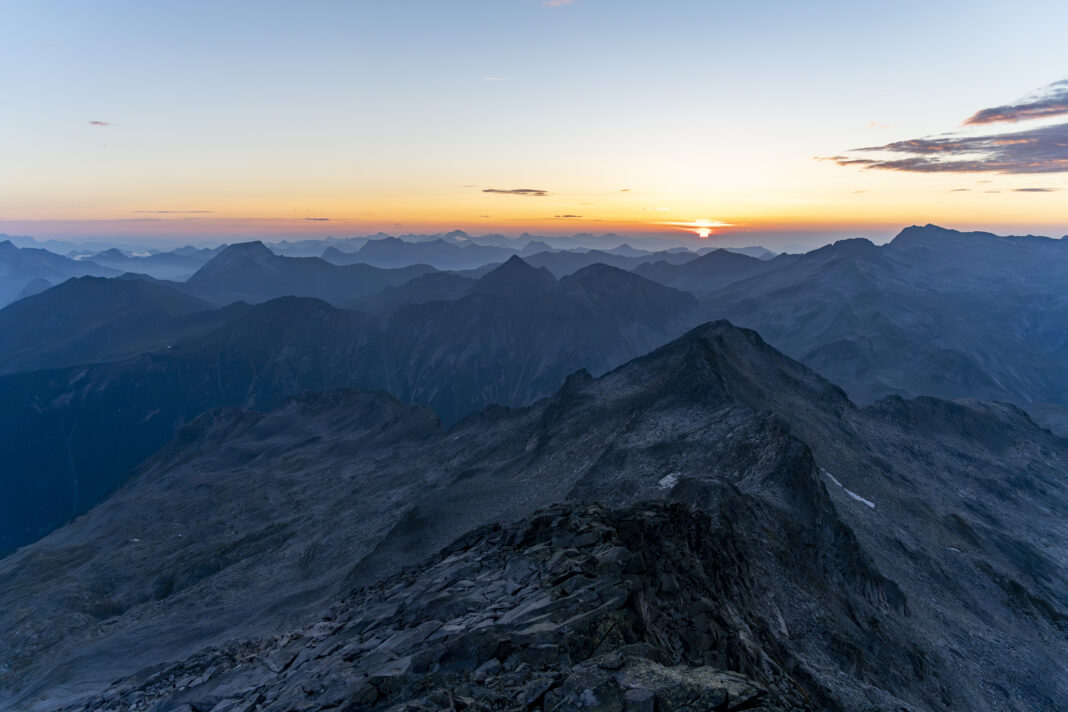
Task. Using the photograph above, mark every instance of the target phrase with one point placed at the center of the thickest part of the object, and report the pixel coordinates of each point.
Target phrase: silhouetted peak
(513, 276)
(252, 248)
(721, 256)
(720, 355)
(235, 256)
(851, 247)
(923, 235)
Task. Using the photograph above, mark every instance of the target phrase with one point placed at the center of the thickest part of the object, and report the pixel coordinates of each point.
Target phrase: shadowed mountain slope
(72, 433)
(935, 312)
(90, 319)
(752, 520)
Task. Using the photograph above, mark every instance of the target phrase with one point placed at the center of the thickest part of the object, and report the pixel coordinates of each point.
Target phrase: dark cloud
(175, 212)
(100, 123)
(1049, 101)
(1039, 150)
(1036, 190)
(567, 216)
(533, 192)
(318, 219)
(961, 190)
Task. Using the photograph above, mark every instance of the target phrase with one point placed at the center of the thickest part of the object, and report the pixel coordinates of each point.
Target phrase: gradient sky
(219, 118)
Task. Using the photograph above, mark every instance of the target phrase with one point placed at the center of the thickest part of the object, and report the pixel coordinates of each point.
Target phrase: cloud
(530, 192)
(1048, 101)
(1041, 149)
(494, 79)
(1038, 150)
(556, 3)
(175, 212)
(567, 216)
(624, 190)
(100, 123)
(961, 190)
(318, 219)
(1035, 190)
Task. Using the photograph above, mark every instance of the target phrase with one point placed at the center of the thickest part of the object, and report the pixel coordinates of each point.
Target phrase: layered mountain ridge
(770, 510)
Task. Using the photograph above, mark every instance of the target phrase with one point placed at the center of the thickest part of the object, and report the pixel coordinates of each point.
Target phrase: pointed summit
(233, 257)
(515, 275)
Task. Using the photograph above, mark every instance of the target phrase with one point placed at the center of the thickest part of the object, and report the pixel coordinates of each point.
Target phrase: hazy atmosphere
(207, 120)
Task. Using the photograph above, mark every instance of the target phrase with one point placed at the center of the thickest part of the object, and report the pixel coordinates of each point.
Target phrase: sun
(702, 228)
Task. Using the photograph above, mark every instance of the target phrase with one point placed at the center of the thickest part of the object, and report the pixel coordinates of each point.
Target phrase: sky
(742, 121)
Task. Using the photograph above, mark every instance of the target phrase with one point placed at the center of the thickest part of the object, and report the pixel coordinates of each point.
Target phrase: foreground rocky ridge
(652, 607)
(894, 552)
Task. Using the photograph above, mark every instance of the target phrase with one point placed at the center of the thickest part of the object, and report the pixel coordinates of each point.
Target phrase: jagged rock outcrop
(651, 607)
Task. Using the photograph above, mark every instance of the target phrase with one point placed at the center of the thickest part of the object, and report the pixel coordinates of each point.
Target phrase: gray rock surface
(907, 555)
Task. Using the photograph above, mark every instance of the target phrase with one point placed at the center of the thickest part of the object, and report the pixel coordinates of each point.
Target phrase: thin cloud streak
(100, 123)
(1049, 101)
(1040, 150)
(1043, 149)
(529, 192)
(175, 212)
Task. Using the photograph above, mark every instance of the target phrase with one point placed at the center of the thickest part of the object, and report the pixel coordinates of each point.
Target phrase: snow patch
(668, 481)
(851, 493)
(860, 499)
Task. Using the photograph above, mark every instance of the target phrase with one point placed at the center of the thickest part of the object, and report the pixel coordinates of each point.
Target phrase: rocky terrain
(734, 529)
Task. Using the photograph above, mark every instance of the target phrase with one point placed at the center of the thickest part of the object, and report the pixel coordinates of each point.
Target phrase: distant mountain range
(935, 312)
(129, 362)
(729, 529)
(250, 272)
(29, 270)
(913, 317)
(176, 266)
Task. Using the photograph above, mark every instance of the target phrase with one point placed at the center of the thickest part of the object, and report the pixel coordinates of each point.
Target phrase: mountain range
(456, 472)
(30, 270)
(119, 374)
(710, 522)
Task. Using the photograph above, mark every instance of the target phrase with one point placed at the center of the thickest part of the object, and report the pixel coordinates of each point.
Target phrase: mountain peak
(234, 256)
(253, 247)
(513, 276)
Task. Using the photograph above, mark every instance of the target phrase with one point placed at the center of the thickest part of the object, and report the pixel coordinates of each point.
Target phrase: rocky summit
(712, 520)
